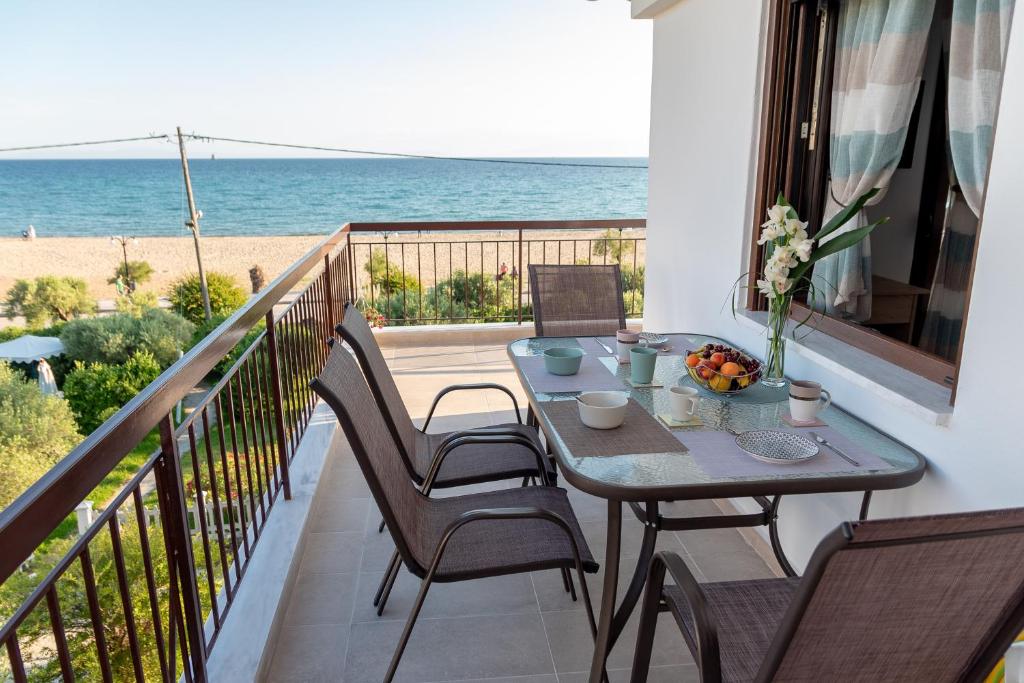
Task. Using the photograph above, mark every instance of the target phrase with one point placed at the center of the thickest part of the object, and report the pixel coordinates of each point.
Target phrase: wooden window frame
(790, 163)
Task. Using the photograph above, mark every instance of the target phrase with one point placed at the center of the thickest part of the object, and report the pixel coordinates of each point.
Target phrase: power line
(80, 144)
(197, 136)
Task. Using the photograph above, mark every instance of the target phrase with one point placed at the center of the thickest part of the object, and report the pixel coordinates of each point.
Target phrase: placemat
(639, 433)
(718, 455)
(593, 376)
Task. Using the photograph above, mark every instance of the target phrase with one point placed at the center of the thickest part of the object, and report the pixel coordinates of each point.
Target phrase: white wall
(705, 94)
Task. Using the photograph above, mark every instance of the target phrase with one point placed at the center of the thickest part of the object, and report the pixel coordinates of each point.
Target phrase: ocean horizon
(301, 196)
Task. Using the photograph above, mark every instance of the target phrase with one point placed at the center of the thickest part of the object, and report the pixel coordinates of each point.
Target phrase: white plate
(778, 448)
(654, 340)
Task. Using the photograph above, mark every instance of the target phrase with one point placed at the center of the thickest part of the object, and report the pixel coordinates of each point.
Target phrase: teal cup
(641, 361)
(563, 360)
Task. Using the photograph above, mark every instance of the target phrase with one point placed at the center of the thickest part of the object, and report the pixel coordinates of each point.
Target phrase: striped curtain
(880, 54)
(977, 51)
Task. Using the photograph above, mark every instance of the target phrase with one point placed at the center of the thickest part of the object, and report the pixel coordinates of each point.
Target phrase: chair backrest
(919, 599)
(342, 386)
(357, 333)
(571, 301)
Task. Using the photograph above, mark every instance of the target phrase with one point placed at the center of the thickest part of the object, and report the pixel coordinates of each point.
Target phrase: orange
(731, 369)
(692, 360)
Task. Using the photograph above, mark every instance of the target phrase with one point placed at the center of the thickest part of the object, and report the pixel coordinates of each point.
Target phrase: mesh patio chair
(473, 456)
(468, 461)
(576, 301)
(919, 599)
(509, 531)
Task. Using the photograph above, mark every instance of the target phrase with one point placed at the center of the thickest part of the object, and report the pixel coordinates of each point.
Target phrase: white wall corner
(648, 9)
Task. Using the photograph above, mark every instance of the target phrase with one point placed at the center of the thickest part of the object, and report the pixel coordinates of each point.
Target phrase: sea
(146, 197)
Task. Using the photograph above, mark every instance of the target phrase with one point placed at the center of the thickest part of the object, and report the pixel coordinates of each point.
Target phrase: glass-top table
(642, 480)
(660, 476)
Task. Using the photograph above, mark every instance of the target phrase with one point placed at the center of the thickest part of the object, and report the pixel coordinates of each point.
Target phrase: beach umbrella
(28, 348)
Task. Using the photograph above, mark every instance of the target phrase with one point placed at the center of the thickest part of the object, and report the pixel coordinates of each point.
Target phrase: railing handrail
(31, 517)
(461, 226)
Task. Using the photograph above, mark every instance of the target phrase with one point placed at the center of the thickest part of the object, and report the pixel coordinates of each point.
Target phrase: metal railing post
(352, 295)
(328, 296)
(522, 276)
(173, 505)
(275, 383)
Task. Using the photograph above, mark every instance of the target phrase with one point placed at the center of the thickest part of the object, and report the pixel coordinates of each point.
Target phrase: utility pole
(193, 224)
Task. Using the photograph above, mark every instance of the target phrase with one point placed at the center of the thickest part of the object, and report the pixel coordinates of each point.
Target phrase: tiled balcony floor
(516, 628)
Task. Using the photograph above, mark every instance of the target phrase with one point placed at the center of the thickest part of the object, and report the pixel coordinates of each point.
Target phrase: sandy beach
(428, 257)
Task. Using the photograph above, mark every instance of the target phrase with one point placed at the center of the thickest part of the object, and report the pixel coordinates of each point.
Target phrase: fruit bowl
(722, 369)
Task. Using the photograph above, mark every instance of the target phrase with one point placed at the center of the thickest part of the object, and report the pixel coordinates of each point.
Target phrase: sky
(450, 77)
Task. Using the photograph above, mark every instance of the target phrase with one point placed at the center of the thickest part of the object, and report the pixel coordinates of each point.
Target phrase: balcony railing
(479, 272)
(144, 591)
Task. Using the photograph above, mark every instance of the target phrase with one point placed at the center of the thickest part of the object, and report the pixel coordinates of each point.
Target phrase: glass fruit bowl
(722, 369)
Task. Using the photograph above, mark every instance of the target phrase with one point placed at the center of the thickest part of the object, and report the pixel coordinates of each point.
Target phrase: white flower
(794, 226)
(766, 287)
(784, 255)
(802, 248)
(771, 232)
(777, 215)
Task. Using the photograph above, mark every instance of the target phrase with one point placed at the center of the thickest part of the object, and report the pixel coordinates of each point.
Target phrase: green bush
(116, 338)
(140, 271)
(48, 298)
(226, 296)
(36, 431)
(136, 303)
(633, 278)
(476, 296)
(387, 278)
(93, 389)
(202, 331)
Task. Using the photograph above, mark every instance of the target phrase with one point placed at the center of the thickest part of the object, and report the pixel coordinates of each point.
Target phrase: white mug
(683, 403)
(625, 340)
(805, 400)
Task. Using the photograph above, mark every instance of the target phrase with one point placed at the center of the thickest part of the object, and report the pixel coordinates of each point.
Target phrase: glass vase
(773, 373)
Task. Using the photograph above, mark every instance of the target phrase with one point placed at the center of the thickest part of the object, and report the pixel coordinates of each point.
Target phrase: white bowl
(602, 409)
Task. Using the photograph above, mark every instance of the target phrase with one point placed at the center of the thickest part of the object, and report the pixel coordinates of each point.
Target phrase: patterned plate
(779, 448)
(653, 339)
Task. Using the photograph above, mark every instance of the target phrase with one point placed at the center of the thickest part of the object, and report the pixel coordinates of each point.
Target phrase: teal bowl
(563, 360)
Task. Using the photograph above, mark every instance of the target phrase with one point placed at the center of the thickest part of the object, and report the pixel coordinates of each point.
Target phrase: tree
(226, 296)
(36, 431)
(97, 390)
(612, 245)
(116, 338)
(140, 271)
(48, 298)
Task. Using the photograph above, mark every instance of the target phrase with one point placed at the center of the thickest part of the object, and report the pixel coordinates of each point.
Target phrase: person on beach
(503, 272)
(29, 234)
(119, 285)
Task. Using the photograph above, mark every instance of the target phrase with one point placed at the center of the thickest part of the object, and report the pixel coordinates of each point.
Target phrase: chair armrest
(451, 445)
(708, 660)
(476, 431)
(471, 387)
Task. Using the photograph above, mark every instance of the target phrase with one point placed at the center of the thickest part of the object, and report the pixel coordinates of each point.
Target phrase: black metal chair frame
(429, 573)
(706, 647)
(428, 481)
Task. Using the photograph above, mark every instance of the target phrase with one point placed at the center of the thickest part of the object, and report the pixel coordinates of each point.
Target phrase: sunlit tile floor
(516, 628)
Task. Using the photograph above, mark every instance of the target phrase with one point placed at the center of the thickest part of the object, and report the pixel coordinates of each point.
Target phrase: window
(907, 302)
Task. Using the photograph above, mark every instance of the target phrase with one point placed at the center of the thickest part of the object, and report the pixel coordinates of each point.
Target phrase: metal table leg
(864, 505)
(773, 536)
(602, 646)
(636, 585)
